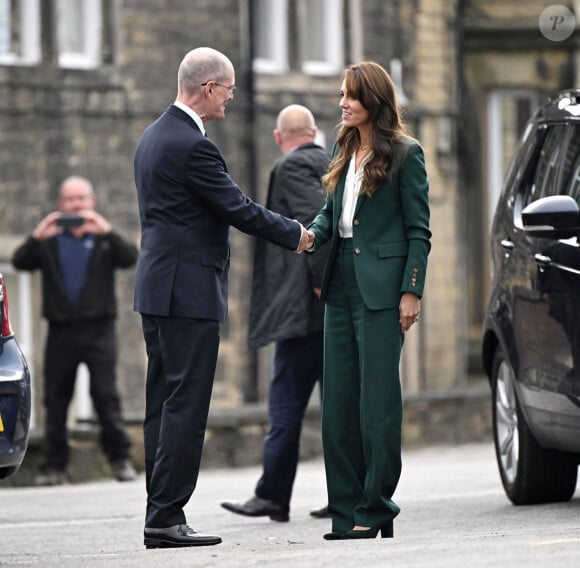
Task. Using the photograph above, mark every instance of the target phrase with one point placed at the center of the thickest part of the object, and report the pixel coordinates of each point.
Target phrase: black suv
(531, 340)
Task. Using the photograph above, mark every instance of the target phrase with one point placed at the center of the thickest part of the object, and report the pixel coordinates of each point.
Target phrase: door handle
(543, 260)
(507, 244)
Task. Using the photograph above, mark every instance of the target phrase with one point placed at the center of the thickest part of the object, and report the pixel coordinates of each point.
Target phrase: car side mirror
(555, 217)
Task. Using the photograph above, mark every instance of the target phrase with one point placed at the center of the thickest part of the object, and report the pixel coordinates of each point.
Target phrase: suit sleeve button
(356, 250)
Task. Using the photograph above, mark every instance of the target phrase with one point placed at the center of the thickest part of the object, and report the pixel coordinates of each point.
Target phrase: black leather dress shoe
(176, 536)
(320, 513)
(256, 507)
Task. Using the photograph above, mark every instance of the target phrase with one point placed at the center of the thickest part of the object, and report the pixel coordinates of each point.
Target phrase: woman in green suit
(377, 218)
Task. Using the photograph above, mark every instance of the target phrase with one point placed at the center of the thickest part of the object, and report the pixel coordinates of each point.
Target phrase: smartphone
(69, 220)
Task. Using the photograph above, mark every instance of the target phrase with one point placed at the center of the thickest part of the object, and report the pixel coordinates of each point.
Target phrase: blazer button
(356, 222)
(356, 250)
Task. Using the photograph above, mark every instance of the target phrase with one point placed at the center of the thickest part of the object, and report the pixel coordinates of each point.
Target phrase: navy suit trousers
(182, 355)
(297, 368)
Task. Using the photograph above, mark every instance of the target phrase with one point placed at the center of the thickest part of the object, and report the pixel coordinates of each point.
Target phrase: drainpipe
(250, 389)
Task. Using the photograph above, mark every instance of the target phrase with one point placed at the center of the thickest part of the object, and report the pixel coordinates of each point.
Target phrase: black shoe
(386, 532)
(334, 535)
(256, 507)
(176, 536)
(320, 513)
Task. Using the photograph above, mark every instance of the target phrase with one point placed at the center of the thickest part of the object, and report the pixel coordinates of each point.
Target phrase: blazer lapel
(359, 203)
(338, 195)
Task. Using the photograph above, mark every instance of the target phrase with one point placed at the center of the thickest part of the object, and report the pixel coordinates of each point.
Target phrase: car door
(559, 284)
(541, 353)
(547, 304)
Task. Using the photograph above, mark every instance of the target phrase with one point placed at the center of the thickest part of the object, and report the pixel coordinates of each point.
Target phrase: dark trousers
(297, 368)
(182, 356)
(362, 406)
(67, 346)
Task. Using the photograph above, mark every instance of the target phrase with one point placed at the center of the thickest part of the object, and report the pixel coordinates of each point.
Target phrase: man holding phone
(77, 252)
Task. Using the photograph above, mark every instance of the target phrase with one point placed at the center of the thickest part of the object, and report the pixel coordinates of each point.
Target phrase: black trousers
(182, 356)
(297, 368)
(67, 346)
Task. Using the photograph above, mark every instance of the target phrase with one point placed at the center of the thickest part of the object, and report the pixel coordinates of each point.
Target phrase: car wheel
(8, 471)
(529, 473)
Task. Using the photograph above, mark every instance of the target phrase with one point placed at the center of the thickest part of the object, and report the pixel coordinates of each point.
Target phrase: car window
(545, 178)
(518, 167)
(570, 184)
(522, 170)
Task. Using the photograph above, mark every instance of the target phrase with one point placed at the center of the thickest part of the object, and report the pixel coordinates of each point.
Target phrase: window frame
(333, 24)
(496, 175)
(92, 31)
(30, 36)
(278, 62)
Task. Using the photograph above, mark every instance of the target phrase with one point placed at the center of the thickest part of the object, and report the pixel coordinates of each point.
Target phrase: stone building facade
(466, 69)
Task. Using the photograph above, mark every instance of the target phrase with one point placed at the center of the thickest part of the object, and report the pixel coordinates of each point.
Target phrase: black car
(531, 342)
(14, 394)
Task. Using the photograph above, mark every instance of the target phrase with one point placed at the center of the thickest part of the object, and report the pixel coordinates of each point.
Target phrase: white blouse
(351, 192)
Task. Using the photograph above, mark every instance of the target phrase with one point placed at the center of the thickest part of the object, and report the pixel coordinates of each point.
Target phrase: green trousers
(362, 404)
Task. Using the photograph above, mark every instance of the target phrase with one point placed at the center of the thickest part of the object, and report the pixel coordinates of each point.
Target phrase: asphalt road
(453, 514)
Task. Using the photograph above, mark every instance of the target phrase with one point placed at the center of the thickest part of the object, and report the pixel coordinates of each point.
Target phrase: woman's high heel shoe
(334, 535)
(387, 531)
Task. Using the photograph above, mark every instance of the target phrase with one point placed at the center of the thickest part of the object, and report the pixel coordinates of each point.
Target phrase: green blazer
(391, 236)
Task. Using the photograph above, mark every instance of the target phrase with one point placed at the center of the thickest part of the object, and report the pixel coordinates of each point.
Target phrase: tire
(529, 473)
(8, 471)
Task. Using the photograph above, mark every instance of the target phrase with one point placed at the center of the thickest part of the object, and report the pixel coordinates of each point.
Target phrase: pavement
(453, 513)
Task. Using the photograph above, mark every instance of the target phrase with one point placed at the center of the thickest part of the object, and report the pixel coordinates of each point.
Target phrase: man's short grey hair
(200, 65)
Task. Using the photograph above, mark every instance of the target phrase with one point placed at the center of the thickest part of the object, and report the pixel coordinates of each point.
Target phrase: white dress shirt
(351, 192)
(191, 113)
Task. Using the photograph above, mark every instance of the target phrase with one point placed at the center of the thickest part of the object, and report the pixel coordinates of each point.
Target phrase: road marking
(559, 541)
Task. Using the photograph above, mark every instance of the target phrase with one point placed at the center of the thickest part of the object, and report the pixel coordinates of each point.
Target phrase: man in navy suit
(187, 202)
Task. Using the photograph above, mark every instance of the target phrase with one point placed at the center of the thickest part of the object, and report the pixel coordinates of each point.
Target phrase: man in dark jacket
(285, 309)
(77, 251)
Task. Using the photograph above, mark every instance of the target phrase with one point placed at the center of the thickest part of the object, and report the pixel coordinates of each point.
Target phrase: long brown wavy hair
(369, 83)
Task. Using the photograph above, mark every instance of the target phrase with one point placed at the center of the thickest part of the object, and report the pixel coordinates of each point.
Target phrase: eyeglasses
(232, 88)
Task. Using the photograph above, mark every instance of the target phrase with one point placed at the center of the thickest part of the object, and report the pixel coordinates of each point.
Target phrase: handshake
(306, 240)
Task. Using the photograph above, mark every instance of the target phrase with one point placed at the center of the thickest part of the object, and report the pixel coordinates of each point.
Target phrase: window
(19, 32)
(270, 19)
(571, 166)
(507, 113)
(536, 167)
(301, 35)
(546, 176)
(79, 33)
(322, 38)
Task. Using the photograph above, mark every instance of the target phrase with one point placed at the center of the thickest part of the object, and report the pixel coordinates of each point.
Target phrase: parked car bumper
(14, 407)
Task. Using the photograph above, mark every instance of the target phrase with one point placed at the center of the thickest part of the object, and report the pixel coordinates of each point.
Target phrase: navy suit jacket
(187, 202)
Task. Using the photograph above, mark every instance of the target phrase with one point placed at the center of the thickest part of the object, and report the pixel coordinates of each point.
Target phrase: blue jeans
(297, 368)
